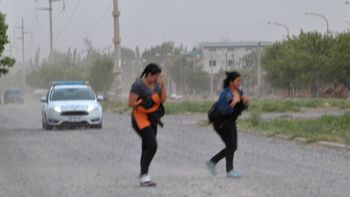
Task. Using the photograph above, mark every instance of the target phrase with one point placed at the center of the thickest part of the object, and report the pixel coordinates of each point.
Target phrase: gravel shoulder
(106, 162)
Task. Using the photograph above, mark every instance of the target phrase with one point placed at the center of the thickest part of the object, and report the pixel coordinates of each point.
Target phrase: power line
(61, 23)
(70, 19)
(49, 9)
(62, 10)
(59, 14)
(92, 25)
(34, 29)
(102, 16)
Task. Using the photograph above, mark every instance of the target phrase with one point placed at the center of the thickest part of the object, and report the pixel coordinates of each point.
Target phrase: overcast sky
(147, 23)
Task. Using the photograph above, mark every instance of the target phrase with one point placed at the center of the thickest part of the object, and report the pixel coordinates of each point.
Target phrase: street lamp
(281, 25)
(259, 70)
(211, 64)
(226, 59)
(321, 16)
(347, 20)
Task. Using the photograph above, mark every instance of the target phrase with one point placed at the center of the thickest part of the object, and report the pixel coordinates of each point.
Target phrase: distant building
(216, 56)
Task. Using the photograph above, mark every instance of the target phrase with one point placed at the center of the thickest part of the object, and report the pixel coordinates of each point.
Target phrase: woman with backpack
(229, 106)
(146, 97)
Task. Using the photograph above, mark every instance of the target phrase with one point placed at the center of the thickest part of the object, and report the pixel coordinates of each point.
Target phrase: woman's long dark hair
(152, 69)
(230, 76)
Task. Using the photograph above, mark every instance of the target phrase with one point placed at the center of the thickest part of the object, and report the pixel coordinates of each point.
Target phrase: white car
(71, 104)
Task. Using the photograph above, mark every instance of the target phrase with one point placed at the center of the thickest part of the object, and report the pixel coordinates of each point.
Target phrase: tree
(96, 67)
(101, 73)
(249, 68)
(161, 53)
(59, 66)
(177, 68)
(180, 70)
(5, 62)
(300, 61)
(278, 72)
(340, 59)
(198, 81)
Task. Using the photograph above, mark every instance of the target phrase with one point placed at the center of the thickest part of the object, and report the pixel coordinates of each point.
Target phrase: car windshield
(72, 94)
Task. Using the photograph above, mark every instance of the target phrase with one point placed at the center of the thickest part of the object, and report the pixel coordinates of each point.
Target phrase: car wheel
(49, 127)
(46, 126)
(43, 123)
(98, 126)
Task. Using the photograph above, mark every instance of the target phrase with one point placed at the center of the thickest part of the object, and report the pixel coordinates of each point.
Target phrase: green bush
(327, 128)
(255, 118)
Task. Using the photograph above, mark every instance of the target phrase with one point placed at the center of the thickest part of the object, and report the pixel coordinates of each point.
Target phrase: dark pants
(149, 146)
(228, 133)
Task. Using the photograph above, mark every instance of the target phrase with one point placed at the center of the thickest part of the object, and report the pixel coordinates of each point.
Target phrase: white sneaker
(146, 181)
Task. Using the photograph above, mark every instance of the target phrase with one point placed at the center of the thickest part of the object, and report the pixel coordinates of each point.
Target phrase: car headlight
(58, 109)
(91, 108)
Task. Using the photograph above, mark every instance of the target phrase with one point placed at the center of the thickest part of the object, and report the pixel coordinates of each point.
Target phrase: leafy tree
(101, 73)
(249, 68)
(300, 61)
(5, 62)
(130, 66)
(187, 79)
(59, 66)
(340, 59)
(177, 67)
(161, 53)
(278, 72)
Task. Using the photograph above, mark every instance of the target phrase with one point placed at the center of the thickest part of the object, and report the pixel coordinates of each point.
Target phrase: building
(226, 56)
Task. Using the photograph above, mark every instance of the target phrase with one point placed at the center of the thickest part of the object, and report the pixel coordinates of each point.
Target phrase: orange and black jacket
(148, 112)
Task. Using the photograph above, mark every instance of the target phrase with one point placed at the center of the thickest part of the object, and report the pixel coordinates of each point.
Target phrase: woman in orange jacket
(146, 97)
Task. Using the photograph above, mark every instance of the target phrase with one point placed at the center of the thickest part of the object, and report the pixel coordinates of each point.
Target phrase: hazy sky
(147, 23)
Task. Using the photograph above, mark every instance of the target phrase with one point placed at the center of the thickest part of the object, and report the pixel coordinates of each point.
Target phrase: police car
(71, 104)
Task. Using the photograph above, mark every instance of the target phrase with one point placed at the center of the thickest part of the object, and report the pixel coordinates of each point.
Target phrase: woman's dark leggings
(149, 146)
(228, 133)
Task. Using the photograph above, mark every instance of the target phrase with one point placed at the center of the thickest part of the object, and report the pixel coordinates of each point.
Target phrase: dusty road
(105, 163)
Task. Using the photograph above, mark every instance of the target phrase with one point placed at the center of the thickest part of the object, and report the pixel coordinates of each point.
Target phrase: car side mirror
(100, 98)
(43, 99)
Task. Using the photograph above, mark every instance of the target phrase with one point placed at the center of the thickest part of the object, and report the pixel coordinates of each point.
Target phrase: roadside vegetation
(326, 128)
(262, 106)
(5, 62)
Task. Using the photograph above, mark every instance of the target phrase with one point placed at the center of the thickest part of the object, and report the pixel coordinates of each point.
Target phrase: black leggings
(149, 146)
(228, 133)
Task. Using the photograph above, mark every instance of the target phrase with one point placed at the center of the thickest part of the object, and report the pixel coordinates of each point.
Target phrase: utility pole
(51, 34)
(259, 70)
(117, 70)
(50, 18)
(23, 52)
(211, 64)
(226, 60)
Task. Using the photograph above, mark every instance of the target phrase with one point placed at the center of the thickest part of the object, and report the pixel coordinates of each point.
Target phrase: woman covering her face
(146, 97)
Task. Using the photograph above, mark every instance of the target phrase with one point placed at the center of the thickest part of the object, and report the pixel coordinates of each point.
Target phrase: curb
(334, 145)
(303, 140)
(322, 143)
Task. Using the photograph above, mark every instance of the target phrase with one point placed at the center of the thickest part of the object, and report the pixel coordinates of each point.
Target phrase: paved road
(105, 163)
